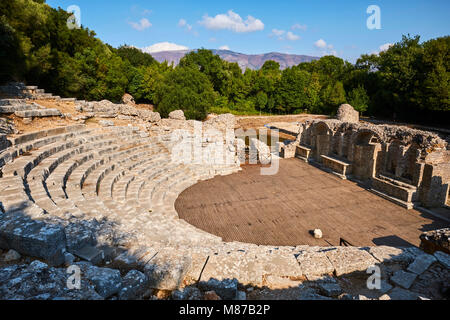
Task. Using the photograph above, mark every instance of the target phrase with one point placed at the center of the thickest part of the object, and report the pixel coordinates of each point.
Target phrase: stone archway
(323, 136)
(409, 163)
(366, 146)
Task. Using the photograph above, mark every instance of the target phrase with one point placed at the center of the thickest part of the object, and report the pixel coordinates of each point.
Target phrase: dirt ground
(66, 107)
(247, 122)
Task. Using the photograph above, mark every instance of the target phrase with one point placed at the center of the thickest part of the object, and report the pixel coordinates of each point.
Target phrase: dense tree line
(410, 81)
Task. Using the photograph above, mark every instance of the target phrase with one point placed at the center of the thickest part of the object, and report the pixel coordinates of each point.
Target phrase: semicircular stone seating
(110, 193)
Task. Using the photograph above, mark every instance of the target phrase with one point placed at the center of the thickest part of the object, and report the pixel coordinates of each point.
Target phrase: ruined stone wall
(410, 165)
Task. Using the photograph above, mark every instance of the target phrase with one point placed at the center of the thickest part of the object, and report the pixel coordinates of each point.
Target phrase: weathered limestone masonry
(103, 200)
(107, 109)
(22, 109)
(6, 127)
(436, 240)
(407, 166)
(20, 90)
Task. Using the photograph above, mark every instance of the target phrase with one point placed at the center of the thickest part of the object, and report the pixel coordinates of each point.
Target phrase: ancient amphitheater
(99, 190)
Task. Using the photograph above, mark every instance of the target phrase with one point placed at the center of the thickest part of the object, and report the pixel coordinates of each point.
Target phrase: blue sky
(313, 27)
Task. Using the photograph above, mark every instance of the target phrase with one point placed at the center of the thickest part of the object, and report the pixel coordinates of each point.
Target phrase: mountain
(252, 61)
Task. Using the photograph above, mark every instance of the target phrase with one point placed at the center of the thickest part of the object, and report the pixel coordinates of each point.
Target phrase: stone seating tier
(109, 195)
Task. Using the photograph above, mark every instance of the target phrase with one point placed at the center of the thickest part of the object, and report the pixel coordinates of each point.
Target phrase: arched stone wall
(366, 149)
(323, 135)
(393, 159)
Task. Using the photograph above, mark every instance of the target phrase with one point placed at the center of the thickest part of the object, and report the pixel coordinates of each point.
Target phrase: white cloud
(183, 24)
(325, 48)
(224, 48)
(164, 46)
(299, 26)
(292, 37)
(141, 25)
(382, 48)
(320, 44)
(278, 33)
(385, 47)
(232, 21)
(283, 35)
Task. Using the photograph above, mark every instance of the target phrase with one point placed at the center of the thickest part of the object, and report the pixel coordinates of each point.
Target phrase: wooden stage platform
(282, 209)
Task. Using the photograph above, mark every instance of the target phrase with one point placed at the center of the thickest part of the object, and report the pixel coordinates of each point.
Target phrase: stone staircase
(20, 90)
(21, 109)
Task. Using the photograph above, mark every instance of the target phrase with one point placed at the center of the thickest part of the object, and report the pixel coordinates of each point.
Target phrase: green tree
(292, 90)
(187, 89)
(433, 91)
(135, 56)
(12, 59)
(209, 64)
(332, 96)
(145, 81)
(359, 99)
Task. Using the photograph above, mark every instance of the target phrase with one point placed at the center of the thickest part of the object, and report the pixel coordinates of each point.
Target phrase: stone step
(40, 136)
(137, 176)
(95, 179)
(68, 99)
(46, 148)
(39, 113)
(110, 183)
(12, 102)
(13, 109)
(69, 176)
(395, 191)
(142, 195)
(47, 166)
(80, 175)
(39, 188)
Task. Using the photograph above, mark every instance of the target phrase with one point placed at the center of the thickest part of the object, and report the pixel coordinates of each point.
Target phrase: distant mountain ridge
(251, 61)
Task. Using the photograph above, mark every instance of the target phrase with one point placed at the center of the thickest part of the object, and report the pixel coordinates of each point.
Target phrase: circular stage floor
(281, 210)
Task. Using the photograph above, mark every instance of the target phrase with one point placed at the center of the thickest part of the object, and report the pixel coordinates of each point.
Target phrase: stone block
(421, 264)
(177, 115)
(314, 264)
(349, 259)
(347, 113)
(167, 270)
(32, 238)
(90, 254)
(134, 286)
(234, 265)
(403, 278)
(226, 289)
(107, 282)
(391, 255)
(443, 258)
(402, 294)
(330, 289)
